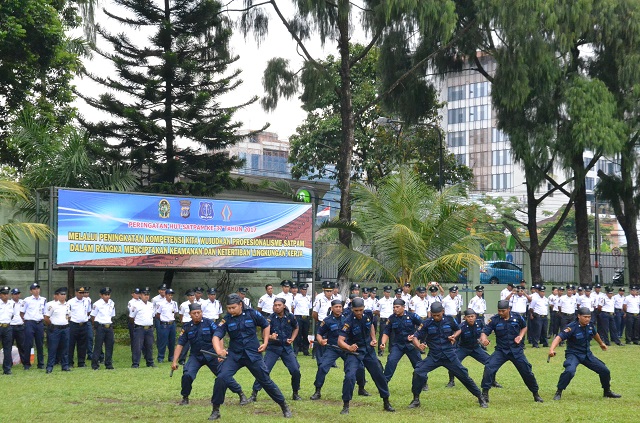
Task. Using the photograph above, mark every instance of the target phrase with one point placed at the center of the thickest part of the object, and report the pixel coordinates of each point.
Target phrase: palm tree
(14, 233)
(410, 232)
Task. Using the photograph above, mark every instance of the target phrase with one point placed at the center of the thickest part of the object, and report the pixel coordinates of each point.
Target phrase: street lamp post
(386, 121)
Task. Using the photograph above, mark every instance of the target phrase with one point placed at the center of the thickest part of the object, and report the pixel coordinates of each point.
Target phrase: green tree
(37, 62)
(409, 231)
(379, 146)
(171, 87)
(14, 232)
(552, 111)
(407, 33)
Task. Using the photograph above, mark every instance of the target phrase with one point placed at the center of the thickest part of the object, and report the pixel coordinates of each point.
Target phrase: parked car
(495, 272)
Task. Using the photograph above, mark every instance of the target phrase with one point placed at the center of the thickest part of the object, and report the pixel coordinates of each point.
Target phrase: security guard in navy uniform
(400, 326)
(199, 332)
(510, 330)
(358, 336)
(244, 351)
(328, 332)
(284, 330)
(468, 346)
(578, 336)
(439, 333)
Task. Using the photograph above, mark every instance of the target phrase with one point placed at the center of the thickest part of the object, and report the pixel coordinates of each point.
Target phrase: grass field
(148, 394)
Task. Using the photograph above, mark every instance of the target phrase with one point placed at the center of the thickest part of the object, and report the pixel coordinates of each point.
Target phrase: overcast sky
(252, 61)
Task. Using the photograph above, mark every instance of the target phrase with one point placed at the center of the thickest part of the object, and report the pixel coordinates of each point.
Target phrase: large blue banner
(108, 229)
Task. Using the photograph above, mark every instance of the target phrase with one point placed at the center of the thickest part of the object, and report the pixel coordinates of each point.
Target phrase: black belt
(618, 309)
(58, 326)
(164, 323)
(302, 317)
(610, 313)
(539, 315)
(633, 314)
(480, 314)
(569, 314)
(143, 327)
(34, 321)
(79, 324)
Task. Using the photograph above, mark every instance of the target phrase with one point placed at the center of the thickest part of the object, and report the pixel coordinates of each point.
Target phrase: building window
(461, 159)
(479, 89)
(478, 113)
(457, 139)
(586, 160)
(499, 136)
(456, 115)
(589, 183)
(501, 157)
(501, 181)
(456, 93)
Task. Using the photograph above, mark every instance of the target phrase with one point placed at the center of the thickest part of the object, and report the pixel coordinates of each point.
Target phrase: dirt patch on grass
(109, 400)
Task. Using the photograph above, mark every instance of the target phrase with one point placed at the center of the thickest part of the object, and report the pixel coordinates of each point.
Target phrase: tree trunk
(168, 277)
(346, 115)
(71, 282)
(535, 251)
(582, 222)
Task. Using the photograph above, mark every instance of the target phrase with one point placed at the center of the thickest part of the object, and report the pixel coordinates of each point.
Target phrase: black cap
(145, 290)
(433, 288)
(398, 291)
(285, 282)
(199, 289)
(571, 286)
(421, 289)
(436, 307)
(398, 301)
(503, 305)
(453, 289)
(609, 290)
(189, 292)
(479, 288)
(510, 284)
(581, 289)
(469, 312)
(5, 289)
(407, 284)
(195, 306)
(357, 303)
(303, 286)
(365, 290)
(542, 288)
(561, 288)
(336, 302)
(294, 285)
(80, 289)
(34, 286)
(211, 291)
(635, 287)
(242, 290)
(234, 299)
(170, 291)
(387, 288)
(597, 285)
(162, 286)
(584, 311)
(136, 290)
(373, 289)
(15, 291)
(105, 290)
(621, 289)
(354, 286)
(587, 288)
(62, 290)
(327, 285)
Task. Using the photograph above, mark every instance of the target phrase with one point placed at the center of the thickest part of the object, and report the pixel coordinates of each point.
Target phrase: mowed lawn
(149, 394)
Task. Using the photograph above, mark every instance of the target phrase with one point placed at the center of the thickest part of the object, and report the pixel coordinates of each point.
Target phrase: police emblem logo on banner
(206, 210)
(185, 208)
(164, 208)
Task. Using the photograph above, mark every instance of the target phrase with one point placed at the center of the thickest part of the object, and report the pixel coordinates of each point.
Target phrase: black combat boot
(608, 393)
(425, 388)
(363, 392)
(451, 383)
(416, 402)
(387, 405)
(295, 396)
(496, 385)
(316, 395)
(482, 402)
(185, 401)
(345, 407)
(286, 411)
(558, 395)
(485, 395)
(253, 397)
(243, 399)
(215, 413)
(537, 398)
